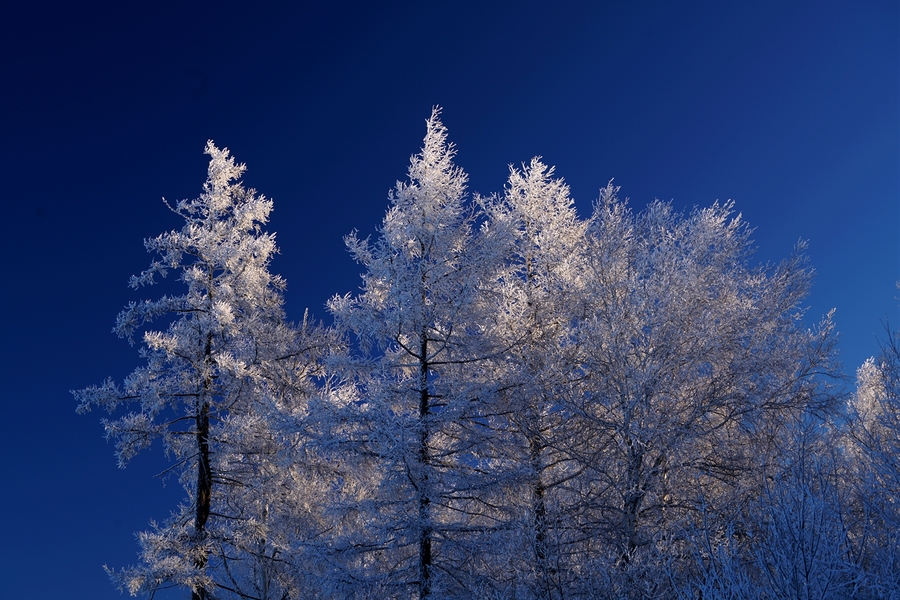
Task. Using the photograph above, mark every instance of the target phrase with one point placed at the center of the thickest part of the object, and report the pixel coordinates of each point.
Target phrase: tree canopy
(519, 403)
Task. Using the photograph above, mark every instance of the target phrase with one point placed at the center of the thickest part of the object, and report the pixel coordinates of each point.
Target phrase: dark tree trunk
(204, 491)
(539, 517)
(424, 458)
(634, 495)
(204, 476)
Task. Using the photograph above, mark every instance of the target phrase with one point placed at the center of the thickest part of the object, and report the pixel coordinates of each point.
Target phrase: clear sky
(788, 108)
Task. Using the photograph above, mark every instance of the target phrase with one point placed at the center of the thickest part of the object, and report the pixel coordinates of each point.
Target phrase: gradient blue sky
(789, 108)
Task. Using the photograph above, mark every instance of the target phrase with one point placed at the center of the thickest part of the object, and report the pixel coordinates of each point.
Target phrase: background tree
(538, 295)
(874, 445)
(792, 540)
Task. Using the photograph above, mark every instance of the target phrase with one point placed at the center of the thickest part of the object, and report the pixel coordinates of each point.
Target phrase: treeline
(520, 403)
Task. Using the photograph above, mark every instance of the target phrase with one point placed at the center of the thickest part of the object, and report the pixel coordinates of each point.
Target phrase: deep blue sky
(789, 108)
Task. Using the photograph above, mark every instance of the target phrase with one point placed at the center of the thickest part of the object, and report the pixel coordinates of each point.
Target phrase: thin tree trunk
(634, 495)
(539, 517)
(204, 478)
(424, 499)
(204, 492)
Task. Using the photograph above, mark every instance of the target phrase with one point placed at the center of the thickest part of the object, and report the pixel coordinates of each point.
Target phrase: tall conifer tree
(416, 317)
(207, 380)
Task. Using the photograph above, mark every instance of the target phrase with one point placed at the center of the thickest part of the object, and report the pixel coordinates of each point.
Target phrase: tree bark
(424, 499)
(634, 495)
(204, 477)
(539, 517)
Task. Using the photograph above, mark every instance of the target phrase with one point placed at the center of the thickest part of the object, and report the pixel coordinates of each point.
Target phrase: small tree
(874, 443)
(209, 381)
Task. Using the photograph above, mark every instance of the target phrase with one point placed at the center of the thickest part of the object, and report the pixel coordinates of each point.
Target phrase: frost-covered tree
(874, 444)
(692, 361)
(801, 546)
(417, 325)
(538, 294)
(791, 542)
(213, 378)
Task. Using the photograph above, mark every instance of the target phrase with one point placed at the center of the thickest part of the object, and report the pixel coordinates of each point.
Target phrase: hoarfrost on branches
(520, 403)
(214, 383)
